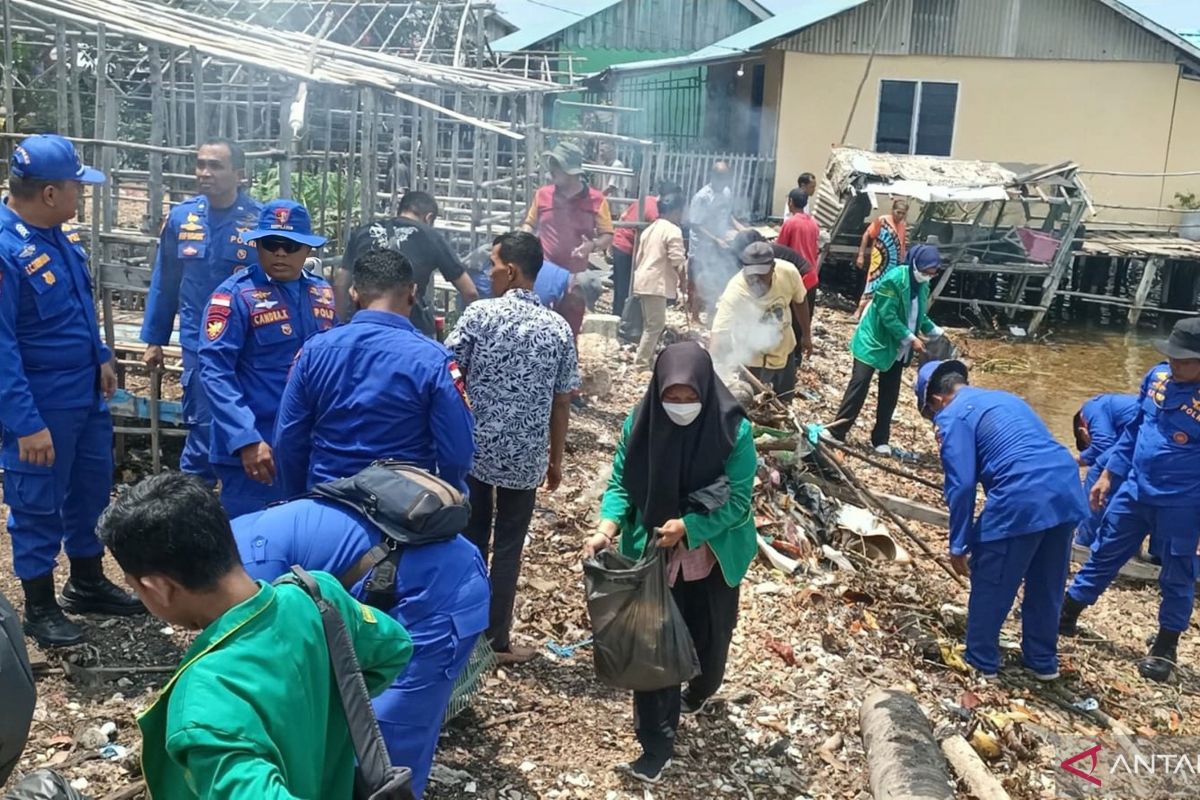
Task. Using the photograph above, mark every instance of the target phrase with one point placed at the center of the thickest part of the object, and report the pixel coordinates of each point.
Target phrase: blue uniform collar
(388, 318)
(24, 229)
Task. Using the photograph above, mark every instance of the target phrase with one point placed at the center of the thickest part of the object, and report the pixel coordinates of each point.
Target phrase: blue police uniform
(442, 600)
(200, 246)
(50, 379)
(1105, 416)
(375, 388)
(1023, 535)
(1159, 452)
(253, 329)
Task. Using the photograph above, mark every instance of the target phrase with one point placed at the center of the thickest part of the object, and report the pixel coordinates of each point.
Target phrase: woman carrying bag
(681, 480)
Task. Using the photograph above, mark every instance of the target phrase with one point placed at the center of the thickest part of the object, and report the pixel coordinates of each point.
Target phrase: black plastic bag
(939, 348)
(44, 784)
(640, 640)
(16, 689)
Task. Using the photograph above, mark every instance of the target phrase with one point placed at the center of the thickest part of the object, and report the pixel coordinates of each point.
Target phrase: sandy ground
(807, 650)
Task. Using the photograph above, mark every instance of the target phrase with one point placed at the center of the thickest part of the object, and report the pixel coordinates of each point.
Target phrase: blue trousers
(1040, 561)
(50, 507)
(1174, 532)
(412, 709)
(198, 417)
(1085, 534)
(241, 495)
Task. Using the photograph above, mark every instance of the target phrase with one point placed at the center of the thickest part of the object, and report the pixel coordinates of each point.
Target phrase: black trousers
(856, 395)
(512, 510)
(710, 609)
(622, 275)
(783, 380)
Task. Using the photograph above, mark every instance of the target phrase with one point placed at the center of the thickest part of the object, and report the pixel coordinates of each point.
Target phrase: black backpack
(408, 505)
(17, 689)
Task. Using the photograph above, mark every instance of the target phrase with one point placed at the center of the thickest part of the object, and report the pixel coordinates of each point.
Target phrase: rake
(470, 682)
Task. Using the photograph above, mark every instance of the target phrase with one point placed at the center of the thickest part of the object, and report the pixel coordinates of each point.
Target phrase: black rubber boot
(1068, 621)
(44, 620)
(88, 591)
(1159, 664)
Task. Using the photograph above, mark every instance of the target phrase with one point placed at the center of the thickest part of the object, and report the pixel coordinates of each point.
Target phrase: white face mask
(682, 414)
(922, 277)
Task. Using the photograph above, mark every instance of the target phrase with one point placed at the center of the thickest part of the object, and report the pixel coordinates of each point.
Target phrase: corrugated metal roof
(749, 40)
(662, 26)
(551, 19)
(1099, 32)
(981, 28)
(654, 25)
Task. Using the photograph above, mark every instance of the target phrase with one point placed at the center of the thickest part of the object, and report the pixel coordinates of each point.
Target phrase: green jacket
(729, 531)
(252, 713)
(884, 325)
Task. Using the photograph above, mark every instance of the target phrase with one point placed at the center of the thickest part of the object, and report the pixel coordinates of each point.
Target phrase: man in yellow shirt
(753, 324)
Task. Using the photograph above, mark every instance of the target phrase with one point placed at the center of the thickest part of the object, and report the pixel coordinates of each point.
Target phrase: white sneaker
(1046, 677)
(883, 449)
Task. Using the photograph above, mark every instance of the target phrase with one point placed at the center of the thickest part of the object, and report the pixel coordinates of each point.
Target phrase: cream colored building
(1028, 81)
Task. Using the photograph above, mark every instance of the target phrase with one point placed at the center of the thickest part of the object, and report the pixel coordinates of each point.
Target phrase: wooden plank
(1062, 260)
(1143, 291)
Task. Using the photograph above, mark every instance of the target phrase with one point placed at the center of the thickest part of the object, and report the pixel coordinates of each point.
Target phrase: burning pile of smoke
(751, 334)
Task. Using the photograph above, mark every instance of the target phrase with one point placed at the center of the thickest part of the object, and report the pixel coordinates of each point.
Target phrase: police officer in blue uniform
(56, 377)
(254, 326)
(199, 247)
(375, 388)
(442, 598)
(1098, 426)
(1023, 535)
(1159, 453)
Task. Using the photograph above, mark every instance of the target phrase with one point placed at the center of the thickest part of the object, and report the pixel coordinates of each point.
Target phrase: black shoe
(1068, 621)
(88, 591)
(648, 768)
(1160, 663)
(45, 622)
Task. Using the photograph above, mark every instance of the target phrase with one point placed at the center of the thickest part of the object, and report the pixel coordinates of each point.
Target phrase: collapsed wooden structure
(1012, 238)
(343, 128)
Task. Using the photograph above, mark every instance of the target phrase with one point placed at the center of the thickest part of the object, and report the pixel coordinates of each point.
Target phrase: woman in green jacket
(885, 341)
(687, 434)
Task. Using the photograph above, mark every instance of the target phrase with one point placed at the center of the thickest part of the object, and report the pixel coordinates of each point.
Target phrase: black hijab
(665, 462)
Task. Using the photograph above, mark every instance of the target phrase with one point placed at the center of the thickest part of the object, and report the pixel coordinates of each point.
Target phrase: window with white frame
(916, 117)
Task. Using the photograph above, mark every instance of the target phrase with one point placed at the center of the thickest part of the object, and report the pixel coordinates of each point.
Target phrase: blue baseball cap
(930, 373)
(49, 157)
(288, 219)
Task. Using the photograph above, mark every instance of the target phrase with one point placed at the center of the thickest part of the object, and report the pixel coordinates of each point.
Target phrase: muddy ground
(808, 648)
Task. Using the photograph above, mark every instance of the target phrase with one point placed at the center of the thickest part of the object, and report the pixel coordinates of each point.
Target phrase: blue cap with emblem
(49, 157)
(929, 375)
(287, 219)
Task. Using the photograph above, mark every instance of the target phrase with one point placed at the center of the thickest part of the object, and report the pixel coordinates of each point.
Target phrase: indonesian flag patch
(460, 384)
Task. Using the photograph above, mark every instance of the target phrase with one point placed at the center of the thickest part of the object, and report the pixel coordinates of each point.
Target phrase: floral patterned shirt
(515, 356)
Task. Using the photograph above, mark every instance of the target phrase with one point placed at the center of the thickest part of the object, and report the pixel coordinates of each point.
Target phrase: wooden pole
(101, 80)
(198, 106)
(10, 114)
(367, 189)
(286, 141)
(62, 116)
(157, 125)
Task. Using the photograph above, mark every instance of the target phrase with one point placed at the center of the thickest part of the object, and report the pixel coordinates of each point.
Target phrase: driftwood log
(967, 764)
(903, 759)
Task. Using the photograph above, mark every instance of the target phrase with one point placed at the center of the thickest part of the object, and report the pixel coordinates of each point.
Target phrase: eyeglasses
(273, 243)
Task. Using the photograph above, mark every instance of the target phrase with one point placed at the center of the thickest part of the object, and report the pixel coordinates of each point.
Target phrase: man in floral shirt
(519, 363)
